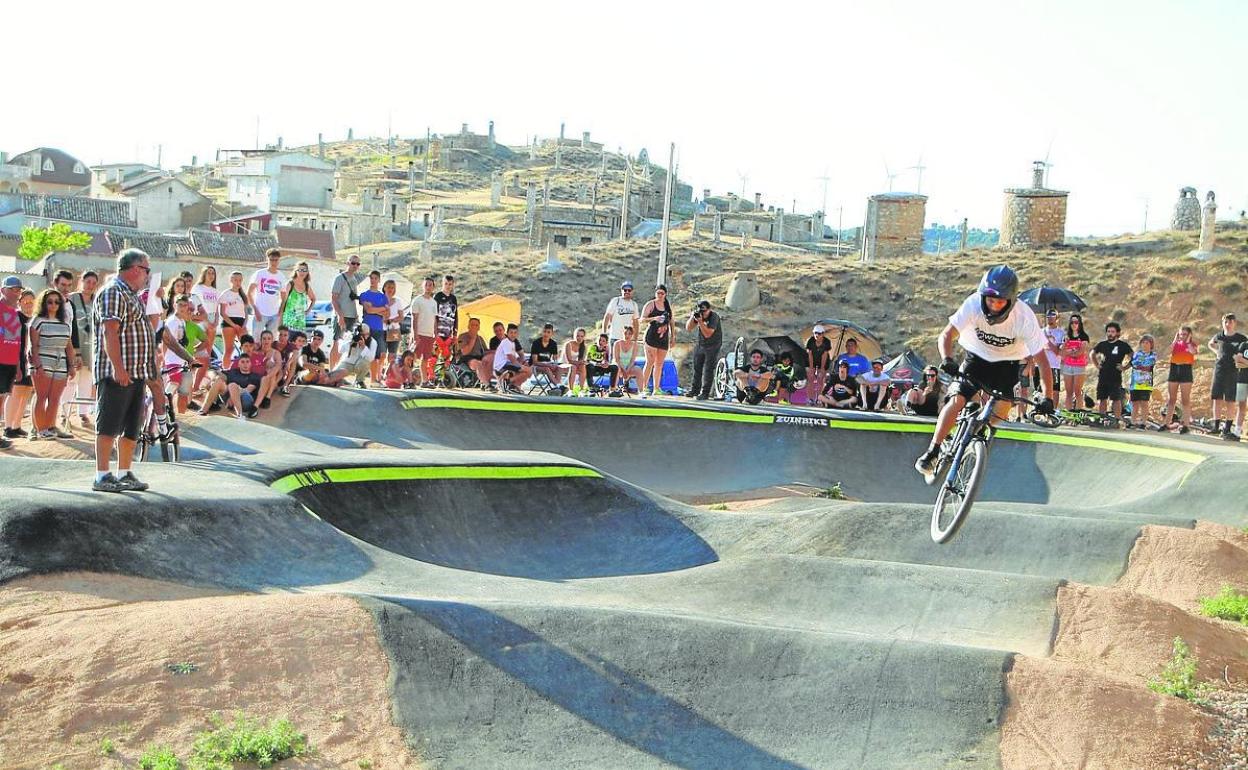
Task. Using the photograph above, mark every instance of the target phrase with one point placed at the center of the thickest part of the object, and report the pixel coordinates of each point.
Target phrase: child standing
(1143, 363)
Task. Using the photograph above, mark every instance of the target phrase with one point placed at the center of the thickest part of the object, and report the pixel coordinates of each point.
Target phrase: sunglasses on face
(354, 264)
(54, 302)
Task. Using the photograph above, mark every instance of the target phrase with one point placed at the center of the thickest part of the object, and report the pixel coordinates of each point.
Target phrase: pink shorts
(424, 346)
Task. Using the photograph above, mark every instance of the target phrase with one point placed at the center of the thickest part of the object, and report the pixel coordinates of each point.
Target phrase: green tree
(38, 242)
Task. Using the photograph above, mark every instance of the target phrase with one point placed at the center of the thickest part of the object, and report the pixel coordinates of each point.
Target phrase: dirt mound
(1130, 634)
(1062, 715)
(85, 657)
(1181, 565)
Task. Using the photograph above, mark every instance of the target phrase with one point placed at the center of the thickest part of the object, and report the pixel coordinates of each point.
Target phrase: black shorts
(118, 408)
(344, 328)
(1180, 373)
(392, 347)
(1057, 378)
(594, 370)
(1224, 385)
(513, 368)
(928, 407)
(1108, 389)
(1000, 376)
(1141, 395)
(240, 321)
(8, 376)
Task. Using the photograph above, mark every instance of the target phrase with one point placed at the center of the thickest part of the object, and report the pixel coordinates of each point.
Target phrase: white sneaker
(47, 434)
(242, 418)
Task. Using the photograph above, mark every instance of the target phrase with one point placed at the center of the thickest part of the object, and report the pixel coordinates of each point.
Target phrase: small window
(561, 240)
(48, 165)
(78, 169)
(585, 240)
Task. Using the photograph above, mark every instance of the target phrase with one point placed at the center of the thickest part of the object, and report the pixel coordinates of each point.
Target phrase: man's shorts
(1108, 389)
(119, 408)
(340, 330)
(1000, 376)
(8, 375)
(1224, 385)
(263, 323)
(424, 346)
(184, 380)
(248, 401)
(1241, 391)
(1138, 394)
(509, 367)
(1057, 378)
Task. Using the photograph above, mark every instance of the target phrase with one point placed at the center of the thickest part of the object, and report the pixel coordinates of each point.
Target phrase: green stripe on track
(423, 472)
(541, 407)
(537, 407)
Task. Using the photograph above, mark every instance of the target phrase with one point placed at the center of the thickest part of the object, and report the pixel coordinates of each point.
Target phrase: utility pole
(825, 178)
(628, 191)
(257, 132)
(667, 214)
(424, 174)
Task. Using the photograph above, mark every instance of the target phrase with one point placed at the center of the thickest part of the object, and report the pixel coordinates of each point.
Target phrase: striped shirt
(116, 301)
(53, 337)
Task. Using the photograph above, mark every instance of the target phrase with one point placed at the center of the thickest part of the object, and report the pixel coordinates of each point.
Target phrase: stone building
(1034, 216)
(894, 226)
(1186, 211)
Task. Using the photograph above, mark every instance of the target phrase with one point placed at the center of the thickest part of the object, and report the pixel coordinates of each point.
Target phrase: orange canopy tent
(490, 308)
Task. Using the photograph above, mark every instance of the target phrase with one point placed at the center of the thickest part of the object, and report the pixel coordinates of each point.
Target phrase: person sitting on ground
(281, 344)
(1143, 367)
(242, 385)
(399, 371)
(293, 357)
(313, 361)
(857, 362)
(841, 389)
(267, 363)
(471, 349)
(246, 349)
(924, 399)
(596, 357)
(754, 379)
(624, 353)
(544, 356)
(356, 357)
(574, 359)
(874, 385)
(509, 366)
(1112, 357)
(785, 373)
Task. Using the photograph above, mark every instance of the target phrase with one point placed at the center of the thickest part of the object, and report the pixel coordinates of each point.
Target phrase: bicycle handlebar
(961, 375)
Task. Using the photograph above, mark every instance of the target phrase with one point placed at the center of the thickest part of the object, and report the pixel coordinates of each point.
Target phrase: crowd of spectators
(234, 348)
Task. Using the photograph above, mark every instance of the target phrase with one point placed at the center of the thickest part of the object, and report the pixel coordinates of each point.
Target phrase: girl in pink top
(1074, 352)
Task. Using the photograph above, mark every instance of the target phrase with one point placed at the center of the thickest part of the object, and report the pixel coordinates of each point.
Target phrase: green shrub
(107, 747)
(246, 740)
(1178, 677)
(833, 492)
(159, 758)
(1229, 604)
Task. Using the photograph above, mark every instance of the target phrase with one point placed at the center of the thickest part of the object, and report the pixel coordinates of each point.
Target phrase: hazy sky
(1135, 98)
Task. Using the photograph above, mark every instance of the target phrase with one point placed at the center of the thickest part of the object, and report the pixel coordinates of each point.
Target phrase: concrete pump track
(546, 601)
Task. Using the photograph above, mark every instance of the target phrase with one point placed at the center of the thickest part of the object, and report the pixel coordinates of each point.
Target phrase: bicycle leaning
(149, 434)
(963, 460)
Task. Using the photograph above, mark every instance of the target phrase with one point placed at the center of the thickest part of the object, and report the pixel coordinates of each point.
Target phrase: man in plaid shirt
(125, 358)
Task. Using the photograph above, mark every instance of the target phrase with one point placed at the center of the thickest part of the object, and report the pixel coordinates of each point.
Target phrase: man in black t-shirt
(544, 356)
(754, 380)
(1226, 344)
(313, 363)
(446, 322)
(1112, 356)
(818, 356)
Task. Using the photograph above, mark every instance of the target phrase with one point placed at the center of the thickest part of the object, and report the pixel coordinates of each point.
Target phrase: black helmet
(999, 282)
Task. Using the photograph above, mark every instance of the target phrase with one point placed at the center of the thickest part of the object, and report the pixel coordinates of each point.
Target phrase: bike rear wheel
(1045, 420)
(957, 491)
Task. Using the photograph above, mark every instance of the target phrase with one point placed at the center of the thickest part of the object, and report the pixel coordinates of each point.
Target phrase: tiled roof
(79, 208)
(213, 244)
(155, 244)
(321, 241)
(62, 163)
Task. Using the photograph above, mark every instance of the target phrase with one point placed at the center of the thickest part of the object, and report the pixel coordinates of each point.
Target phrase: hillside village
(558, 221)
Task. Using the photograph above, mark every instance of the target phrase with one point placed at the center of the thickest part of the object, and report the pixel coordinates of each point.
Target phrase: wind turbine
(890, 174)
(1047, 165)
(745, 178)
(825, 178)
(919, 167)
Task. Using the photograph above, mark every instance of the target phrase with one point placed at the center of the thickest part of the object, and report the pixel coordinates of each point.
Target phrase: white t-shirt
(1056, 335)
(231, 304)
(206, 298)
(1013, 339)
(502, 356)
(177, 329)
(353, 357)
(871, 380)
(425, 311)
(623, 313)
(268, 299)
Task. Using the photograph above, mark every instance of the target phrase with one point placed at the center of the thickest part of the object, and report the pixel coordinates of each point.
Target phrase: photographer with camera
(709, 338)
(344, 301)
(355, 354)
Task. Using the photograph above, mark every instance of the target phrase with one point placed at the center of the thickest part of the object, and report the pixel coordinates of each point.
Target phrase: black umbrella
(1046, 297)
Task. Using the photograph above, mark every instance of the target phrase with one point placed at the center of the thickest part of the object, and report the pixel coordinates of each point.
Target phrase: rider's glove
(949, 367)
(1045, 406)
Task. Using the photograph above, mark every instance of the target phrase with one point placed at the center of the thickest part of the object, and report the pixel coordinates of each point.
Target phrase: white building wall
(159, 209)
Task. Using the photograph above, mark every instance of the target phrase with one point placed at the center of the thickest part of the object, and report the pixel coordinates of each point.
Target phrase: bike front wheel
(958, 490)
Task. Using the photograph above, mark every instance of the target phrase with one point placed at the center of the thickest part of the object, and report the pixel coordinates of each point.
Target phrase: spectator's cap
(704, 304)
(786, 355)
(878, 362)
(12, 282)
(818, 329)
(548, 326)
(318, 334)
(626, 285)
(1051, 313)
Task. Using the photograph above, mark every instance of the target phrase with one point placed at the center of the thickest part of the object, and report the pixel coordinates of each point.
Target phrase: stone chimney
(1037, 175)
(194, 161)
(758, 200)
(118, 174)
(706, 193)
(560, 132)
(4, 157)
(350, 134)
(320, 145)
(279, 142)
(463, 129)
(584, 139)
(491, 135)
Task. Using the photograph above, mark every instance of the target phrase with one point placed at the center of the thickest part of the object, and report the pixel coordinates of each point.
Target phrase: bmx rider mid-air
(998, 334)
